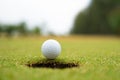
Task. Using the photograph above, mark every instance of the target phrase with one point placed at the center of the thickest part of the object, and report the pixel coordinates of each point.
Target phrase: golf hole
(52, 64)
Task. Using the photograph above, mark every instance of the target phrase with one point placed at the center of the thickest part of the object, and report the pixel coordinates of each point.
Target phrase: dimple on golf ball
(51, 49)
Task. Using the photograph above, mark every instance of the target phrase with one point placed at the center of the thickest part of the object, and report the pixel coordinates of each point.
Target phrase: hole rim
(53, 64)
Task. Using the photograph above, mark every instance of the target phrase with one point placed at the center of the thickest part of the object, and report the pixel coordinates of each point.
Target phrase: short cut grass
(98, 58)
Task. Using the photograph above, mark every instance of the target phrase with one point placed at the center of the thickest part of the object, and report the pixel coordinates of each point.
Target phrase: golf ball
(51, 48)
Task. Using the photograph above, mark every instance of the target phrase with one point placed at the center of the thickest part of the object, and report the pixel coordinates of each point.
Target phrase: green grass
(98, 58)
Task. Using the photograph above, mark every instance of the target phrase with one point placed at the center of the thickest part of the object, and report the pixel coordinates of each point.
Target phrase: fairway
(98, 58)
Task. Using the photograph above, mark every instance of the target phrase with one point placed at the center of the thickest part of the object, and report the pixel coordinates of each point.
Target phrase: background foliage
(101, 17)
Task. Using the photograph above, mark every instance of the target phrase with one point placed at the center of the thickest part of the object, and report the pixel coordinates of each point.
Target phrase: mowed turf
(98, 58)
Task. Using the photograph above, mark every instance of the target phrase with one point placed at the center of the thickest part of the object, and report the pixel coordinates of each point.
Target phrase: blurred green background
(100, 17)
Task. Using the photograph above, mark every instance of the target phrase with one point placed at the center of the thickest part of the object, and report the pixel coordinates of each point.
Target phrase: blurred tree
(18, 29)
(36, 30)
(101, 17)
(9, 29)
(1, 29)
(114, 20)
(22, 28)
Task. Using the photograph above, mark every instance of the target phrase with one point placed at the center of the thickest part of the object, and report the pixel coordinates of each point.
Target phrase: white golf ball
(51, 49)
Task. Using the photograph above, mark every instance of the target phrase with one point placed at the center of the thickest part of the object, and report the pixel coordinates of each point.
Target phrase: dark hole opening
(52, 64)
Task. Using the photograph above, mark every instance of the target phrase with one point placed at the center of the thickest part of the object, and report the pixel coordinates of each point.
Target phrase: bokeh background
(88, 31)
(59, 17)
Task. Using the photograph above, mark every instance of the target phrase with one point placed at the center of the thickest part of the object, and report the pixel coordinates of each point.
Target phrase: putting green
(98, 58)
